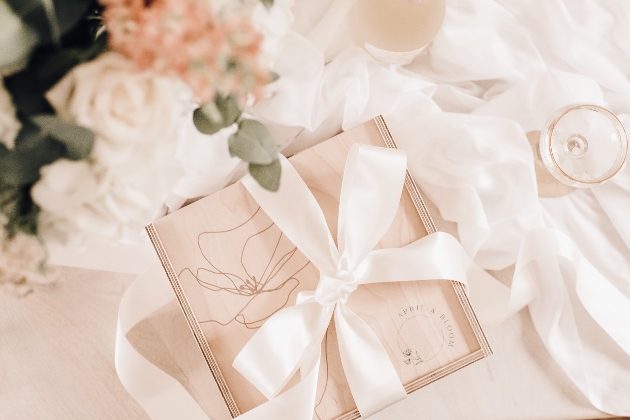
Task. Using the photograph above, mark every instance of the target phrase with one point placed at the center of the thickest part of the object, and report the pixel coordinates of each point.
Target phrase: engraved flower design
(410, 357)
(253, 268)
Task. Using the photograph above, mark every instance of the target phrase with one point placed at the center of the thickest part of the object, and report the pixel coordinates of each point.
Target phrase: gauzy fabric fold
(461, 110)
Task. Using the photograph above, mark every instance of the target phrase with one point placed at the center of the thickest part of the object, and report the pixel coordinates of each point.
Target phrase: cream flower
(122, 106)
(132, 167)
(9, 124)
(85, 202)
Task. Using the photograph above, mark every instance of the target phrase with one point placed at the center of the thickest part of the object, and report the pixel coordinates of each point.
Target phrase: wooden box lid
(232, 268)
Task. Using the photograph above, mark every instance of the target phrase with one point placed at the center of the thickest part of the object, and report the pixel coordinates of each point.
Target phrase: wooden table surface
(57, 362)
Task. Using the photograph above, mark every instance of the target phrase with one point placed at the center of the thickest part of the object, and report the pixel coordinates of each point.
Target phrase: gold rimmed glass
(583, 145)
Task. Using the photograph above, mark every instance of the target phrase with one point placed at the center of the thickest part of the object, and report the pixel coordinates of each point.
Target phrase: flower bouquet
(92, 98)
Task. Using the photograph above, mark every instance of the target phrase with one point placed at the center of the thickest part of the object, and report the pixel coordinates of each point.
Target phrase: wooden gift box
(232, 268)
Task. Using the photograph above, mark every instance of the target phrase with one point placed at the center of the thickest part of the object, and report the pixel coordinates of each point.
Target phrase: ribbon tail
(581, 318)
(298, 403)
(371, 375)
(159, 394)
(593, 289)
(284, 343)
(440, 256)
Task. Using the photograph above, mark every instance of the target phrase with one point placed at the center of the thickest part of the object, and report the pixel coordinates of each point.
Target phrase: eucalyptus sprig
(252, 142)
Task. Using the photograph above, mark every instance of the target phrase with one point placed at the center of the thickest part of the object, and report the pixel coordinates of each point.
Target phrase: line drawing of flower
(255, 281)
(412, 358)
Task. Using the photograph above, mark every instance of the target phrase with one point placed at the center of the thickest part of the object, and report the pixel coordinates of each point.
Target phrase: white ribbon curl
(291, 339)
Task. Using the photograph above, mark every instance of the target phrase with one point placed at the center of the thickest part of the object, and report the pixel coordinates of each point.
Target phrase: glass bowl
(583, 145)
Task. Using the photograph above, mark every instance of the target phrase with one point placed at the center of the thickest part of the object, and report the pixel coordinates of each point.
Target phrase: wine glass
(583, 145)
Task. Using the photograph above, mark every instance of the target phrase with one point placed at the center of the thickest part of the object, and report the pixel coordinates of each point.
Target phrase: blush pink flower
(213, 54)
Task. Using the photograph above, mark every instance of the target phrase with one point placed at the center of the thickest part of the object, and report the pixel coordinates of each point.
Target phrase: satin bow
(291, 339)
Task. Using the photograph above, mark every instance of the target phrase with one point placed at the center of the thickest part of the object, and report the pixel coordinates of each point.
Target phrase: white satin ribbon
(159, 394)
(290, 340)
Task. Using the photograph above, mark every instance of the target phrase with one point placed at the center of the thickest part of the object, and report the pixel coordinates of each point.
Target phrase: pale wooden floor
(57, 362)
(57, 351)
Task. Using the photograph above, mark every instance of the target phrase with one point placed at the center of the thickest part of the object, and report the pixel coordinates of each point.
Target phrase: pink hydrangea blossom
(188, 39)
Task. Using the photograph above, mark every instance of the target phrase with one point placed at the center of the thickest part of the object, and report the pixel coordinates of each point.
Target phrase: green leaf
(70, 12)
(16, 34)
(27, 94)
(268, 176)
(214, 116)
(273, 77)
(18, 206)
(78, 140)
(66, 14)
(267, 3)
(228, 107)
(58, 64)
(33, 13)
(205, 124)
(21, 166)
(253, 143)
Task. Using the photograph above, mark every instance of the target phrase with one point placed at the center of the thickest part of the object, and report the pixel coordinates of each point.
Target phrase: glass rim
(547, 132)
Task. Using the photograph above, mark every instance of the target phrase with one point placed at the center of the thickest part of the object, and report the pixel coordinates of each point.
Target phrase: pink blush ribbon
(291, 339)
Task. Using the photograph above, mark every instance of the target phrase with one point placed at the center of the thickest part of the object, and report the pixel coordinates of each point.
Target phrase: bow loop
(370, 193)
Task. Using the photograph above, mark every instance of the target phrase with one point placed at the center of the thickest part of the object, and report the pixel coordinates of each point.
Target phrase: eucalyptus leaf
(18, 206)
(70, 12)
(58, 64)
(205, 124)
(267, 3)
(216, 115)
(26, 92)
(30, 137)
(228, 107)
(33, 13)
(268, 176)
(253, 143)
(77, 140)
(51, 22)
(21, 167)
(19, 36)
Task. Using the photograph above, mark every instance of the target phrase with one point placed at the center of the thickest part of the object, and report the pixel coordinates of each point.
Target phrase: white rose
(9, 124)
(132, 167)
(122, 106)
(84, 202)
(65, 185)
(65, 193)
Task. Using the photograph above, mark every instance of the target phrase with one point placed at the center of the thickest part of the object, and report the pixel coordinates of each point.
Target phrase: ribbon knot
(290, 340)
(337, 288)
